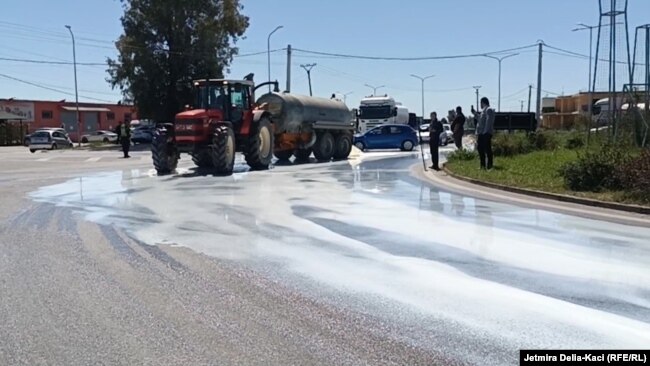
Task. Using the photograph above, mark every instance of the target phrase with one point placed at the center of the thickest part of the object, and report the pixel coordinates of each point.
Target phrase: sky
(34, 29)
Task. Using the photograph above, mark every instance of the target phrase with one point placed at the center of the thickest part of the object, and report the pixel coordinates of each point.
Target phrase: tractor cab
(226, 100)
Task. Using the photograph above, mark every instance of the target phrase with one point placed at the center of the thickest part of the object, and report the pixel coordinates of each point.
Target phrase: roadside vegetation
(563, 162)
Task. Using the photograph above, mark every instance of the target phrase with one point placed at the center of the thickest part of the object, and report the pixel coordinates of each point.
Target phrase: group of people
(484, 132)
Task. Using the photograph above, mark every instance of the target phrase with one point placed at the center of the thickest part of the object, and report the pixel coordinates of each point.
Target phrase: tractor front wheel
(223, 150)
(202, 158)
(260, 149)
(163, 152)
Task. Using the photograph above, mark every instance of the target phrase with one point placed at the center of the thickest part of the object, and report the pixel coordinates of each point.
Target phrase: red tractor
(227, 119)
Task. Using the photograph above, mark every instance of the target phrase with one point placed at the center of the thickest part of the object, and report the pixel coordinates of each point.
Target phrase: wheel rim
(408, 145)
(265, 137)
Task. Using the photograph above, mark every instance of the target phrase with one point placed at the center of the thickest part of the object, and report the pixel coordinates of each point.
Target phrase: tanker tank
(292, 113)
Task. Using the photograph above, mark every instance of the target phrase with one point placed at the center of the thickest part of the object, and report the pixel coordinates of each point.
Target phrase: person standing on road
(123, 132)
(485, 130)
(458, 127)
(435, 129)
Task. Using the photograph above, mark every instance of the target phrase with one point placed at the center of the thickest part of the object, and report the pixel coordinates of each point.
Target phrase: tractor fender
(259, 114)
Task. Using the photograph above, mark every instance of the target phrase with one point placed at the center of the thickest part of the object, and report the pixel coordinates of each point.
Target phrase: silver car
(49, 140)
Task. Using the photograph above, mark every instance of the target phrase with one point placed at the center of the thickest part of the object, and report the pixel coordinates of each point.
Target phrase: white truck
(379, 110)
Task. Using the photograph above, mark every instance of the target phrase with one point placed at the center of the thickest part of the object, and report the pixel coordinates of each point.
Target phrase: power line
(362, 57)
(51, 62)
(51, 89)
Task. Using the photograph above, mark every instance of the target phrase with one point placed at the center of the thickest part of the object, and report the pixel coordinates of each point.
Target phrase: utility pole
(374, 88)
(308, 68)
(522, 105)
(500, 59)
(477, 87)
(288, 89)
(539, 84)
(530, 92)
(422, 79)
(76, 94)
(268, 51)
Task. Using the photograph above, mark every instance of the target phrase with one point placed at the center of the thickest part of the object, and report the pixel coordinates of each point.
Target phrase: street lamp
(76, 94)
(268, 51)
(477, 87)
(422, 79)
(500, 59)
(345, 95)
(374, 88)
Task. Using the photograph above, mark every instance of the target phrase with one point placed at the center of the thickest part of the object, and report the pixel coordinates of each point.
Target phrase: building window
(46, 114)
(110, 116)
(127, 117)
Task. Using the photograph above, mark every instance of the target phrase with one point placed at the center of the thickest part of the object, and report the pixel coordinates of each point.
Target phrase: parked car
(49, 140)
(142, 134)
(446, 136)
(391, 136)
(27, 138)
(100, 136)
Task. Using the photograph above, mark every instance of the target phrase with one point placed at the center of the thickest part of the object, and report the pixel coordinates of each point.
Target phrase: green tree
(168, 43)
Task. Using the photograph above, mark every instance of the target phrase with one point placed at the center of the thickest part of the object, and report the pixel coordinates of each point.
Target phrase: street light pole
(374, 88)
(345, 95)
(422, 79)
(268, 51)
(308, 68)
(477, 87)
(500, 59)
(76, 94)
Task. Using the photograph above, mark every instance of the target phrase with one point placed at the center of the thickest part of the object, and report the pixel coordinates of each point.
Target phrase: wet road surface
(340, 263)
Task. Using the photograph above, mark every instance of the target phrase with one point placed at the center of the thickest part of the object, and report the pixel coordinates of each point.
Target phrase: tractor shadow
(208, 172)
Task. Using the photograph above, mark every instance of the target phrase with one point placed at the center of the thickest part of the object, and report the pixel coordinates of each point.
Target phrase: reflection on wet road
(479, 274)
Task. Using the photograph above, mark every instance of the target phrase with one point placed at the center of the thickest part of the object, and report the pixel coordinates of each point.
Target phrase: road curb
(552, 196)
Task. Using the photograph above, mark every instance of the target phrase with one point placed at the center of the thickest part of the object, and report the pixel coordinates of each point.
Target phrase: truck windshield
(216, 97)
(375, 112)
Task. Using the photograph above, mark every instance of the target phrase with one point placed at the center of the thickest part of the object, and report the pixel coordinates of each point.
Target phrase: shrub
(510, 144)
(574, 141)
(462, 155)
(544, 140)
(595, 171)
(635, 177)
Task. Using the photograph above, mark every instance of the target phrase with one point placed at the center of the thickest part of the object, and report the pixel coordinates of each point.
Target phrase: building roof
(86, 109)
(10, 116)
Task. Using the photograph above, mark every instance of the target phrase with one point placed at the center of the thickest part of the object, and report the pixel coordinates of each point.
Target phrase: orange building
(93, 116)
(563, 112)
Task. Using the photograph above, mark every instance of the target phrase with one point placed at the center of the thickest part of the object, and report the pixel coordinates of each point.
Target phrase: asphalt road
(356, 262)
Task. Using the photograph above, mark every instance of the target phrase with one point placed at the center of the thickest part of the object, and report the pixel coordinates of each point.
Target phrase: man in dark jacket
(123, 132)
(458, 127)
(435, 129)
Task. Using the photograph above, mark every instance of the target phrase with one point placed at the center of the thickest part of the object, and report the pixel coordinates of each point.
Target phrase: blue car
(401, 137)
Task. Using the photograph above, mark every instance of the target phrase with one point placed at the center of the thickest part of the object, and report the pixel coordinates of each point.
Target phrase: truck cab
(379, 110)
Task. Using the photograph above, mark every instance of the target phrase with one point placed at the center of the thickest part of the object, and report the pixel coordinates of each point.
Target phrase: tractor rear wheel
(303, 154)
(260, 148)
(283, 154)
(343, 146)
(324, 147)
(223, 150)
(163, 152)
(202, 158)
